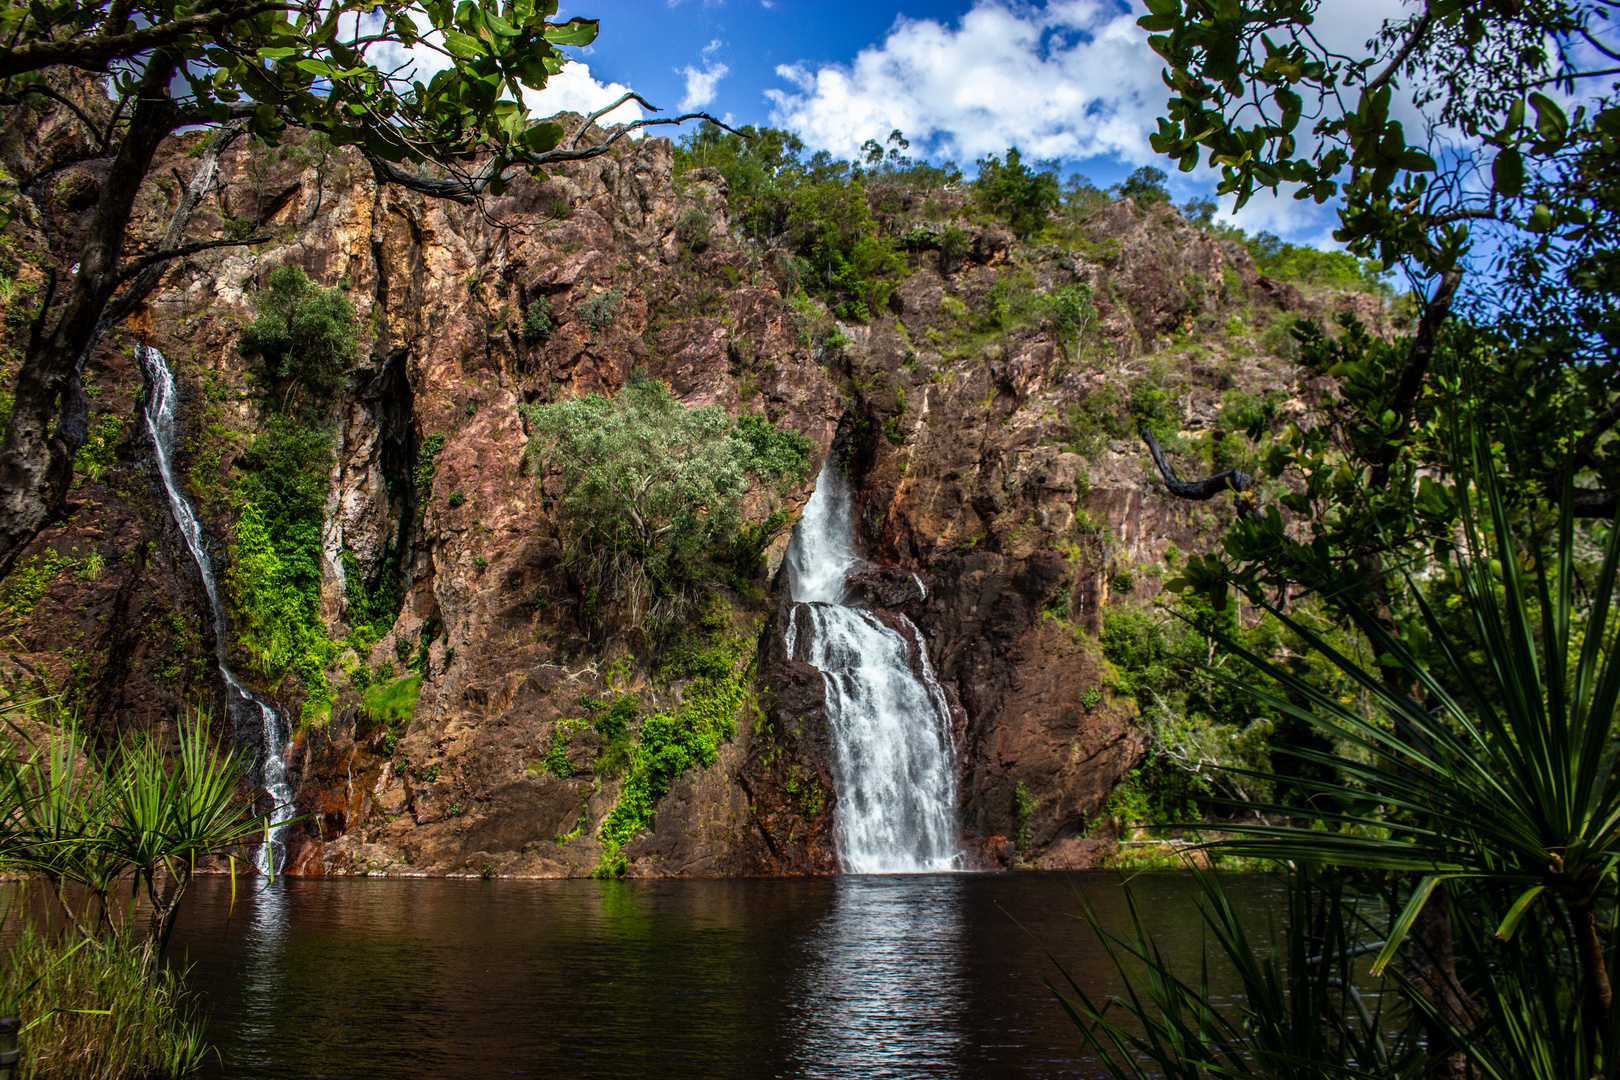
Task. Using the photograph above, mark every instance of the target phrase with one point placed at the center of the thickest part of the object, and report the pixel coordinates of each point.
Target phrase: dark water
(849, 977)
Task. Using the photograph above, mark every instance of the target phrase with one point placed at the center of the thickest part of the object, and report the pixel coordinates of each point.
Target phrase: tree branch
(1200, 490)
(147, 261)
(94, 53)
(45, 91)
(1388, 73)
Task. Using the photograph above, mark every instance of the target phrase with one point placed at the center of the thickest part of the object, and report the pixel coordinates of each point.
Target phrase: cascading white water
(893, 764)
(161, 403)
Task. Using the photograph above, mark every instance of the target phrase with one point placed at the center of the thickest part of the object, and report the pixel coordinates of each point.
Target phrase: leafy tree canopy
(652, 490)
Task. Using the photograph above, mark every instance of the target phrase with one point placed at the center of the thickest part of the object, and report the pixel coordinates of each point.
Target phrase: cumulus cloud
(574, 89)
(1069, 79)
(701, 83)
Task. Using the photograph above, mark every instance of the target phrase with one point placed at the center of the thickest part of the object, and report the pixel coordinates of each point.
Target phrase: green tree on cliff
(259, 67)
(652, 490)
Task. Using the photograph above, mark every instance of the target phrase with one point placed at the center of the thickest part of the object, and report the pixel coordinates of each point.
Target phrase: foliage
(392, 705)
(600, 309)
(140, 820)
(1304, 1010)
(539, 322)
(304, 333)
(1304, 265)
(31, 579)
(100, 447)
(1021, 196)
(371, 610)
(1483, 782)
(426, 460)
(652, 490)
(669, 743)
(1024, 806)
(275, 576)
(831, 227)
(1145, 186)
(97, 1013)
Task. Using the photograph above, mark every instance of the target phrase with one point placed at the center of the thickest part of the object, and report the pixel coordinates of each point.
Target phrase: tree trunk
(1597, 993)
(36, 464)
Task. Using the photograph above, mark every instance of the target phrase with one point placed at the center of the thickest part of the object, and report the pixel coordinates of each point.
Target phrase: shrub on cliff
(1022, 196)
(652, 491)
(275, 577)
(304, 333)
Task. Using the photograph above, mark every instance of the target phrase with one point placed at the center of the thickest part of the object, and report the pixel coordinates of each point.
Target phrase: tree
(304, 333)
(256, 67)
(652, 491)
(1012, 190)
(1146, 186)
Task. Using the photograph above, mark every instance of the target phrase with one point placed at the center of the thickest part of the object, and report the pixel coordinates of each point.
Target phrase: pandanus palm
(1492, 776)
(140, 815)
(1500, 766)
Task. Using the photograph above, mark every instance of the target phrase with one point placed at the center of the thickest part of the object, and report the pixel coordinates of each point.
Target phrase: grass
(393, 704)
(90, 1014)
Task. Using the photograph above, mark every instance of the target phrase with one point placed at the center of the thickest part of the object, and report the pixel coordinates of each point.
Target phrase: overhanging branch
(1234, 480)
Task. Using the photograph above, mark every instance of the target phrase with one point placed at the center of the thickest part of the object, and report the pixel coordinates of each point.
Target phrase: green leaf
(1516, 913)
(462, 46)
(1551, 123)
(1541, 219)
(1403, 925)
(541, 137)
(278, 53)
(1508, 171)
(499, 25)
(575, 31)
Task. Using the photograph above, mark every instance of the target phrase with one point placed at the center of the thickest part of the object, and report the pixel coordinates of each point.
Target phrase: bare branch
(1233, 480)
(45, 91)
(1388, 73)
(145, 262)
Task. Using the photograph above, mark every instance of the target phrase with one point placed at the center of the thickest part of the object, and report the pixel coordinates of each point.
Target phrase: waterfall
(892, 757)
(161, 404)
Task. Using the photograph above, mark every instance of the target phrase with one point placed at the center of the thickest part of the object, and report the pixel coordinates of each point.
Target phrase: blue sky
(1066, 79)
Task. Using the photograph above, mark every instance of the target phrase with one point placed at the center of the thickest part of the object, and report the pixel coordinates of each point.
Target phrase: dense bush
(1303, 265)
(304, 333)
(275, 577)
(651, 491)
(1022, 196)
(538, 322)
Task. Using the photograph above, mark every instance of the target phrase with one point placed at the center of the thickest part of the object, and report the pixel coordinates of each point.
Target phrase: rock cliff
(987, 515)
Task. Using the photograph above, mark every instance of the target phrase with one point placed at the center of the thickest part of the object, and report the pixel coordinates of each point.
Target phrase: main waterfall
(161, 403)
(893, 767)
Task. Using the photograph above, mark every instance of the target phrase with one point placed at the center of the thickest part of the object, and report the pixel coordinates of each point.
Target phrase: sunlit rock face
(978, 536)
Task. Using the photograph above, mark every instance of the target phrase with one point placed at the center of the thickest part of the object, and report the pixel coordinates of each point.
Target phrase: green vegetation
(371, 611)
(392, 704)
(427, 461)
(600, 309)
(1145, 186)
(115, 839)
(31, 578)
(1024, 806)
(669, 743)
(539, 322)
(1021, 196)
(304, 333)
(274, 582)
(100, 447)
(98, 1013)
(652, 490)
(1303, 265)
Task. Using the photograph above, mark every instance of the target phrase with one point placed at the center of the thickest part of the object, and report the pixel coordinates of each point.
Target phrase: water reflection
(881, 993)
(907, 976)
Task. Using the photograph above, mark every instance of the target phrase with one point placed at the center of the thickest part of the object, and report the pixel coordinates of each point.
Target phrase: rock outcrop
(979, 521)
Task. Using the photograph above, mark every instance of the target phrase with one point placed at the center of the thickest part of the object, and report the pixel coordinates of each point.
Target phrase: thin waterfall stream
(240, 702)
(893, 761)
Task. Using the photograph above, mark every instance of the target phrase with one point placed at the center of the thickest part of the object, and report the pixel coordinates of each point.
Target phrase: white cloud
(1070, 79)
(701, 84)
(574, 89)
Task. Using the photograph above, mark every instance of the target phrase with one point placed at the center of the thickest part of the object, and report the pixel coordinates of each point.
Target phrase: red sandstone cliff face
(972, 513)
